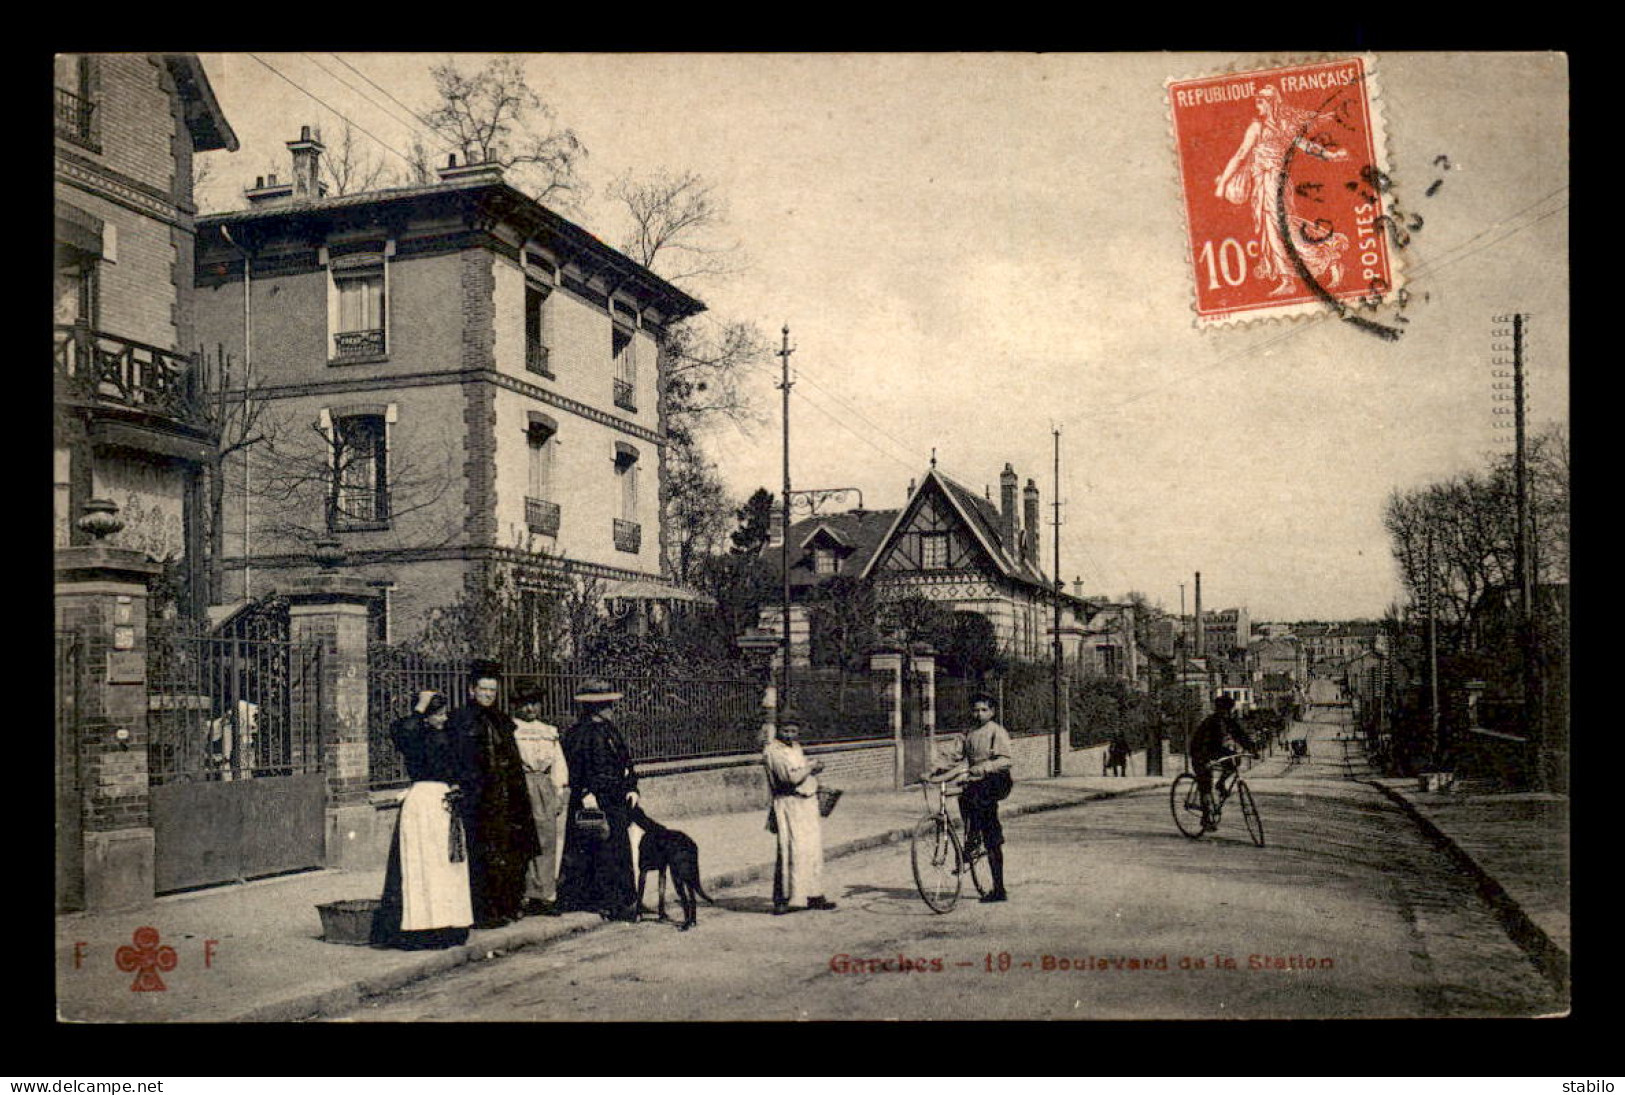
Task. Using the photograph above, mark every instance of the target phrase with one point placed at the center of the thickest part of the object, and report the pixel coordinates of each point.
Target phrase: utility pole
(1184, 691)
(1055, 669)
(1433, 659)
(1533, 715)
(784, 538)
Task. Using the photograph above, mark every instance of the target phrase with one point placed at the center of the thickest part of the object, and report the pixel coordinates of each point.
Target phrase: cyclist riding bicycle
(1209, 742)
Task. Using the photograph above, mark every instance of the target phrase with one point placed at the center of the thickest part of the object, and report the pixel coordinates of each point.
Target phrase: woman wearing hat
(596, 872)
(425, 902)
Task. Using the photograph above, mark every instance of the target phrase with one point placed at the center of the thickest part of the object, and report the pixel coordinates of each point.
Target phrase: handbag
(827, 798)
(590, 821)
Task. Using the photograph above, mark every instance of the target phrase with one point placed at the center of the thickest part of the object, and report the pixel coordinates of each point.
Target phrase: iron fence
(841, 706)
(394, 679)
(231, 708)
(662, 718)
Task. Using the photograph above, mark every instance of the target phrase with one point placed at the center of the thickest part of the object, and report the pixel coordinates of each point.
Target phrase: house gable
(932, 534)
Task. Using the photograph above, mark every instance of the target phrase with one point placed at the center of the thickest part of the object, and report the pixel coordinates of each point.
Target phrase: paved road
(1347, 912)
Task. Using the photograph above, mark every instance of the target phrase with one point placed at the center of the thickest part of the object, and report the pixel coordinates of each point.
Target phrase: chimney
(1007, 507)
(1077, 587)
(472, 170)
(775, 526)
(307, 165)
(1029, 520)
(1199, 627)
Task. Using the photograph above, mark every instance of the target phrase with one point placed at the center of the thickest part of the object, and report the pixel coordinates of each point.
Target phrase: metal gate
(235, 760)
(70, 848)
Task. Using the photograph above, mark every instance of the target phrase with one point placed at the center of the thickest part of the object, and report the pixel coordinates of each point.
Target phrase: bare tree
(348, 168)
(229, 403)
(699, 516)
(672, 225)
(308, 480)
(493, 116)
(706, 363)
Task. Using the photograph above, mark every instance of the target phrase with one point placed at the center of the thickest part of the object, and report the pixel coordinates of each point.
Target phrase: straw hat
(596, 690)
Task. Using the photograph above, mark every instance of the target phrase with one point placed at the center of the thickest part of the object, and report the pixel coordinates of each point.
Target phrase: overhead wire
(336, 112)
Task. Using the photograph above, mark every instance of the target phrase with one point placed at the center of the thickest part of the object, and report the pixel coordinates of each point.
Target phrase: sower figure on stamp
(546, 779)
(985, 751)
(596, 873)
(798, 871)
(501, 833)
(1209, 742)
(425, 903)
(1256, 177)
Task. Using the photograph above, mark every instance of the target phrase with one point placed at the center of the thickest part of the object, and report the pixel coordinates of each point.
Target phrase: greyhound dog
(669, 851)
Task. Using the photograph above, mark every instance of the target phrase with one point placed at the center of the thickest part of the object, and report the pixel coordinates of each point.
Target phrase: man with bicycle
(985, 751)
(1209, 743)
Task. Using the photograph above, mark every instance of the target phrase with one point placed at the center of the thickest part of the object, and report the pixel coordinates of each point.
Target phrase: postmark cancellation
(1283, 175)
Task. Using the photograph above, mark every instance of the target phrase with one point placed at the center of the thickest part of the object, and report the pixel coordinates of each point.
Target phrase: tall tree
(698, 516)
(494, 116)
(673, 225)
(755, 519)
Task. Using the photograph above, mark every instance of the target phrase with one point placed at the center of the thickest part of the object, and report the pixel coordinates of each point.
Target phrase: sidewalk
(254, 952)
(1517, 847)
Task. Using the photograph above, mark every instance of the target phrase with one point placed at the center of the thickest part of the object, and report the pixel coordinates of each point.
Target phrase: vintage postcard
(690, 537)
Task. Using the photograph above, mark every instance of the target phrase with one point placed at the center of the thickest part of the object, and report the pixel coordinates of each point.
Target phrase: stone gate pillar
(886, 667)
(101, 596)
(330, 609)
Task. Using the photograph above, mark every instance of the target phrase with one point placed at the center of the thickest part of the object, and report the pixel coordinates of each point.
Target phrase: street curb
(313, 1005)
(1551, 959)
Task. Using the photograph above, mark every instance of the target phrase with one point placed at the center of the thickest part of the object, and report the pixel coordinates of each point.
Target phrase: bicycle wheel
(1186, 800)
(979, 873)
(936, 857)
(1249, 813)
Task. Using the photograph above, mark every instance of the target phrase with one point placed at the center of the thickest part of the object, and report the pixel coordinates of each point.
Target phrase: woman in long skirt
(426, 903)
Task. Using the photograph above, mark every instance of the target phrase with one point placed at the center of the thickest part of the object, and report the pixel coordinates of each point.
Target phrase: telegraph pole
(1433, 659)
(1055, 669)
(1533, 716)
(784, 536)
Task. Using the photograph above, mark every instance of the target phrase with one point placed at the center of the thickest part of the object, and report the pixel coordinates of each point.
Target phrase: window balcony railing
(73, 114)
(536, 359)
(358, 511)
(623, 395)
(628, 536)
(95, 365)
(359, 343)
(542, 516)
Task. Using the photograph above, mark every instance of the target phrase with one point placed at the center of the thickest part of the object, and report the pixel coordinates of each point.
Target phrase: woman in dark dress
(496, 808)
(425, 903)
(596, 872)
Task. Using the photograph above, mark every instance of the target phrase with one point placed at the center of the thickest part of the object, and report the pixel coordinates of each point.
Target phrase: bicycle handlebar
(944, 777)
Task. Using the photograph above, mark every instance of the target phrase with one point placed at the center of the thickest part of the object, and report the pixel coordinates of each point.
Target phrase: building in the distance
(462, 386)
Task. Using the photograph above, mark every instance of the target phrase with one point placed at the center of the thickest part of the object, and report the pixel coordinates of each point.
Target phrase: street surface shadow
(891, 900)
(752, 904)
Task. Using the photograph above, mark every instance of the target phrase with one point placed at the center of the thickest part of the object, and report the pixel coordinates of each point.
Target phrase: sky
(974, 250)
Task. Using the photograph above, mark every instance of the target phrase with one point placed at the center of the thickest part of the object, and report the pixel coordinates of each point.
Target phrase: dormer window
(825, 561)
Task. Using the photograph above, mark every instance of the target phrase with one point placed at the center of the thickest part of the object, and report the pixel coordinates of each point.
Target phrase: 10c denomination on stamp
(1283, 176)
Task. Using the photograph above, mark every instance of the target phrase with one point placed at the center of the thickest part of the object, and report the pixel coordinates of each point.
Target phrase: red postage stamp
(1284, 179)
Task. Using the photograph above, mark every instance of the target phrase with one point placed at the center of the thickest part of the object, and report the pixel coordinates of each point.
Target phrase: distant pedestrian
(425, 903)
(1117, 751)
(798, 870)
(502, 834)
(546, 780)
(596, 873)
(985, 751)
